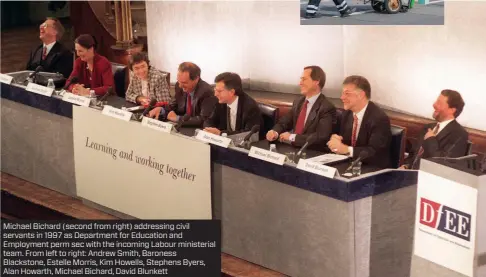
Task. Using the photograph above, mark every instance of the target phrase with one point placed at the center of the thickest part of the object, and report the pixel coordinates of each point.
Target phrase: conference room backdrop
(263, 41)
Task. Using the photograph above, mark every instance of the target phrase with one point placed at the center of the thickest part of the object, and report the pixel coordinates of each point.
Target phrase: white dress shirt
(360, 116)
(145, 88)
(312, 100)
(233, 111)
(49, 47)
(443, 124)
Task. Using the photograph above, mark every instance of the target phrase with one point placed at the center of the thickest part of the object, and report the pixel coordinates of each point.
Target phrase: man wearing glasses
(365, 128)
(51, 54)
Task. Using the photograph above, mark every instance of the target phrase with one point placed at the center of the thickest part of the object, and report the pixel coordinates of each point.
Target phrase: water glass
(273, 148)
(356, 169)
(50, 84)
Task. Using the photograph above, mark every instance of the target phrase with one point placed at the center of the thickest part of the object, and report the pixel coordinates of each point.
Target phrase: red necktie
(299, 126)
(44, 53)
(189, 105)
(355, 129)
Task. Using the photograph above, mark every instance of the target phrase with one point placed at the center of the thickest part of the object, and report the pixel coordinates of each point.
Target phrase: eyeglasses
(45, 25)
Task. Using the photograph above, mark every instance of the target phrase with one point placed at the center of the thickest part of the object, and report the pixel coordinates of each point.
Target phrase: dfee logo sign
(445, 219)
(445, 222)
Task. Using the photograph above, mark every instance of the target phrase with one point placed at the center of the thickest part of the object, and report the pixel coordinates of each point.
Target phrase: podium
(450, 224)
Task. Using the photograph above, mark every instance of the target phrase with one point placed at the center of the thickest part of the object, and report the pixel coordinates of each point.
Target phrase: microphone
(37, 70)
(362, 155)
(73, 80)
(185, 118)
(150, 106)
(309, 141)
(253, 130)
(33, 74)
(103, 98)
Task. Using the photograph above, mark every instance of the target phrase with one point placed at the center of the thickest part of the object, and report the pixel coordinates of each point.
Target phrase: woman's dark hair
(86, 41)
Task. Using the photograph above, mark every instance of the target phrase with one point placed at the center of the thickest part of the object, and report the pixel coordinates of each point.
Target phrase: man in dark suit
(193, 96)
(445, 137)
(311, 113)
(365, 128)
(236, 111)
(51, 54)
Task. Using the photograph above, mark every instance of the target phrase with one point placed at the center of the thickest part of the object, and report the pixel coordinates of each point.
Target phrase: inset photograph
(372, 12)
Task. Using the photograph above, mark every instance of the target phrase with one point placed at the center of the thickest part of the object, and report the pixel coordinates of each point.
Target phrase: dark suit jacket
(247, 116)
(319, 121)
(450, 142)
(202, 105)
(374, 136)
(59, 59)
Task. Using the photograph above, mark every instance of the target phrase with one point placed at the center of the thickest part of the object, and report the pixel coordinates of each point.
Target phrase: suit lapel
(446, 131)
(313, 112)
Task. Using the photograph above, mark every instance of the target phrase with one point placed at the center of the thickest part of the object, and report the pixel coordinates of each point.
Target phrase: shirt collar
(313, 99)
(49, 46)
(443, 124)
(233, 106)
(361, 113)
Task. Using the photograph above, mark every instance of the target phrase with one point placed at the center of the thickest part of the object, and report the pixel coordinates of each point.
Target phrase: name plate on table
(316, 168)
(117, 113)
(156, 124)
(6, 79)
(265, 155)
(76, 99)
(42, 90)
(213, 139)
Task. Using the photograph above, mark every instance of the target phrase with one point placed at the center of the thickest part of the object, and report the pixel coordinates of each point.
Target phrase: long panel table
(280, 217)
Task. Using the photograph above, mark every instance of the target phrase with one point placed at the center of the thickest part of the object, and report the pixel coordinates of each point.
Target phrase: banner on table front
(139, 171)
(445, 223)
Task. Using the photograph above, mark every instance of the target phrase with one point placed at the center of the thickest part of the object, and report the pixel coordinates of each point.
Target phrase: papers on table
(328, 158)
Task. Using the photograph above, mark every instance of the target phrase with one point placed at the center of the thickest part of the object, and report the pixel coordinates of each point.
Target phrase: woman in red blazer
(92, 70)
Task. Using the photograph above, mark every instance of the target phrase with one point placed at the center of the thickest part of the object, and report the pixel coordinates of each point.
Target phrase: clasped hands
(272, 135)
(154, 113)
(79, 89)
(337, 146)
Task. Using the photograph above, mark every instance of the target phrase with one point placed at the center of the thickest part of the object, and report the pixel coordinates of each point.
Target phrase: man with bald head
(193, 97)
(51, 54)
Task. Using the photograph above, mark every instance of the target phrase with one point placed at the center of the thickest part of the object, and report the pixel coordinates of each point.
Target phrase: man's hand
(337, 146)
(212, 130)
(285, 137)
(336, 137)
(143, 100)
(154, 113)
(403, 167)
(430, 133)
(272, 135)
(172, 116)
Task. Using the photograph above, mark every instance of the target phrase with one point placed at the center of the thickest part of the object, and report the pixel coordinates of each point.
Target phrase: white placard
(116, 113)
(156, 124)
(268, 156)
(42, 90)
(328, 158)
(445, 223)
(76, 99)
(213, 139)
(6, 79)
(147, 175)
(316, 168)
